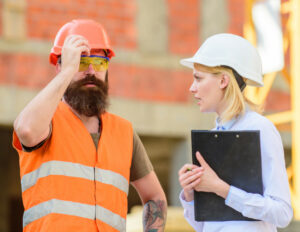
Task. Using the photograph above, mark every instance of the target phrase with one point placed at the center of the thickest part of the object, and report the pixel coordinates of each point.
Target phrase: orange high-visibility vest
(68, 185)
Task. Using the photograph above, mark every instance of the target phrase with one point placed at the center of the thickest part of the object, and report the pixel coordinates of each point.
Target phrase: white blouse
(273, 208)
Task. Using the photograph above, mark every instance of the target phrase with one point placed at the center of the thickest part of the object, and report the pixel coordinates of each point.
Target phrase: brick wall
(183, 26)
(128, 81)
(44, 18)
(284, 21)
(237, 16)
(149, 84)
(24, 70)
(278, 101)
(118, 17)
(1, 9)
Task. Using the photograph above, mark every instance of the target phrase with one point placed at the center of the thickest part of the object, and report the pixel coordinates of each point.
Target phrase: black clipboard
(236, 158)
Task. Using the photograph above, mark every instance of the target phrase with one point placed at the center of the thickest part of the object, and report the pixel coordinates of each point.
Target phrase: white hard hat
(229, 50)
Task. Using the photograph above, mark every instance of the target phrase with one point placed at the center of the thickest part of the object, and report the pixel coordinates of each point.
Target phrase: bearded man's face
(88, 96)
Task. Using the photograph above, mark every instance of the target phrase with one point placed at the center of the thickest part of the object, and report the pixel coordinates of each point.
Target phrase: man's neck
(91, 123)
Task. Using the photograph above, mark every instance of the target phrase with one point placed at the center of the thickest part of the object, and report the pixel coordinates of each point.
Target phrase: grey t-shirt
(141, 164)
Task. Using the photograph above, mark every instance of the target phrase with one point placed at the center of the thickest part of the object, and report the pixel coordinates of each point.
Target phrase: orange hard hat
(91, 30)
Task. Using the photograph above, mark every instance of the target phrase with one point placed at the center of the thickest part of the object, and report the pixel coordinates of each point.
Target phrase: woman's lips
(198, 100)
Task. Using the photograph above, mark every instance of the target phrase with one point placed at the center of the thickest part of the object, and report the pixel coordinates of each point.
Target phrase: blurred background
(147, 84)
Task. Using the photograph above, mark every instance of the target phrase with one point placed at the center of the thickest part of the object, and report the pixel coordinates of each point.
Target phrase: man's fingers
(85, 49)
(76, 41)
(72, 38)
(68, 38)
(81, 42)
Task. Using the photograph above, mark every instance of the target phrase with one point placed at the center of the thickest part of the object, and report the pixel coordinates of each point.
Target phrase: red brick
(1, 10)
(183, 18)
(236, 11)
(126, 81)
(29, 71)
(284, 127)
(44, 18)
(284, 21)
(149, 84)
(278, 101)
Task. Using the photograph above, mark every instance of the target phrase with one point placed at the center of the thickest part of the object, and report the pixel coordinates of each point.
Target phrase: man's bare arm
(154, 215)
(32, 124)
(155, 203)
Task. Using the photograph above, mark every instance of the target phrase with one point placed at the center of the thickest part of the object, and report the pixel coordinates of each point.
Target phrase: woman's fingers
(195, 183)
(184, 169)
(192, 185)
(190, 178)
(187, 167)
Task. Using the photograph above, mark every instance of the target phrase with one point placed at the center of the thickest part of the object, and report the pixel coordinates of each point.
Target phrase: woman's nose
(193, 88)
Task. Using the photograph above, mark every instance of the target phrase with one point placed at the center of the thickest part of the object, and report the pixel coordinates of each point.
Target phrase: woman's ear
(224, 81)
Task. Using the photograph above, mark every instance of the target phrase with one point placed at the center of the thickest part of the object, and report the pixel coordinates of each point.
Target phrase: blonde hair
(233, 96)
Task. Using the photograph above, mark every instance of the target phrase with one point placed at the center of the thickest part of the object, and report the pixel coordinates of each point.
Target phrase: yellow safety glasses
(99, 63)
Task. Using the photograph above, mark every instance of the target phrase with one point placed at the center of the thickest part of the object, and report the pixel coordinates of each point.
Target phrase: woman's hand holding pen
(189, 178)
(201, 179)
(210, 182)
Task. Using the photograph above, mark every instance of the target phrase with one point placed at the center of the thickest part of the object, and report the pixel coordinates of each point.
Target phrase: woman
(222, 67)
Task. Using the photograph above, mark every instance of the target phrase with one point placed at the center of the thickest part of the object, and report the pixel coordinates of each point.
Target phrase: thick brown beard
(88, 101)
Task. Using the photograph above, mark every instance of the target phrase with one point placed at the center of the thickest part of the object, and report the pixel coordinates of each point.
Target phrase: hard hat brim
(189, 62)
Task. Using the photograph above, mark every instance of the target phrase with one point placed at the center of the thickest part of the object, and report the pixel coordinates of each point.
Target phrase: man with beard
(76, 159)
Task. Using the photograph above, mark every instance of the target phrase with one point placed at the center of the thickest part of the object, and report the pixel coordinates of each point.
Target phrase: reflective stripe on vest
(110, 218)
(74, 170)
(112, 178)
(74, 209)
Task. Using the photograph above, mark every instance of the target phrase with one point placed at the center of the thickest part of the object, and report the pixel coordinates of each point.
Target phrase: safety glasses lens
(98, 63)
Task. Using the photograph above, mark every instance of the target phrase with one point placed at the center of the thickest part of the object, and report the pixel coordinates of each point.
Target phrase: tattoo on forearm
(154, 216)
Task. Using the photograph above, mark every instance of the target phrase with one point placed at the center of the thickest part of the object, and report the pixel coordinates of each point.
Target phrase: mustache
(89, 79)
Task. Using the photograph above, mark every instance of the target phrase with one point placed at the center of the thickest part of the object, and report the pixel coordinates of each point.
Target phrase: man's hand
(32, 124)
(72, 49)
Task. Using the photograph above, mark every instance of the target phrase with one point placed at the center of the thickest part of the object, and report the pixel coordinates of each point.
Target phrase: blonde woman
(222, 67)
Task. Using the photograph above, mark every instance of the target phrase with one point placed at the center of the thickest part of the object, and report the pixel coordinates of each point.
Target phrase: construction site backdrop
(147, 84)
